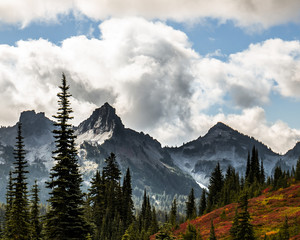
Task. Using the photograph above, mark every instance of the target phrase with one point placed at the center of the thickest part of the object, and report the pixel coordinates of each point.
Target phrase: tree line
(230, 188)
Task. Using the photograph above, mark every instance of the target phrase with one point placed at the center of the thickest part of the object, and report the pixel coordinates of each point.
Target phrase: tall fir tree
(254, 173)
(36, 226)
(248, 167)
(216, 182)
(111, 170)
(212, 235)
(202, 203)
(245, 228)
(20, 205)
(65, 218)
(284, 230)
(262, 173)
(127, 206)
(191, 211)
(235, 226)
(173, 213)
(97, 203)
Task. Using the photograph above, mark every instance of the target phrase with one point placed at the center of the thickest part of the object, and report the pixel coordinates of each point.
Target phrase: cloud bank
(149, 72)
(245, 13)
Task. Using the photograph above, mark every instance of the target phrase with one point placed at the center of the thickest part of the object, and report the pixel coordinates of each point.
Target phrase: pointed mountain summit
(221, 144)
(103, 119)
(100, 126)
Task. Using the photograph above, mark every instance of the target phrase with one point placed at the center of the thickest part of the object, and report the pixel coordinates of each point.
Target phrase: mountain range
(162, 171)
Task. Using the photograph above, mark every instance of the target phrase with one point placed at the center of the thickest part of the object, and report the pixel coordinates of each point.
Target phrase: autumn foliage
(267, 213)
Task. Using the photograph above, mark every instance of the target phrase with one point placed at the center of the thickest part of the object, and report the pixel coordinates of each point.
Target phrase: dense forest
(106, 211)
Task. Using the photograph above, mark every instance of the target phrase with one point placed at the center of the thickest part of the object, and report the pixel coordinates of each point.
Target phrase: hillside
(267, 212)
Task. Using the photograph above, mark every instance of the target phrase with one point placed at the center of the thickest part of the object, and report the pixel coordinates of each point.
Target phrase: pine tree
(20, 207)
(65, 218)
(202, 205)
(128, 206)
(212, 235)
(36, 226)
(111, 170)
(96, 202)
(173, 213)
(254, 173)
(191, 233)
(8, 228)
(235, 226)
(284, 231)
(262, 173)
(248, 167)
(245, 229)
(154, 224)
(216, 182)
(191, 212)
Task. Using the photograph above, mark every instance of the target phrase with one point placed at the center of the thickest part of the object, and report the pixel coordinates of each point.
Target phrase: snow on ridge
(201, 185)
(91, 137)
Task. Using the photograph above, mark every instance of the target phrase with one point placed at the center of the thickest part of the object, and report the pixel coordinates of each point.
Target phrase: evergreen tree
(202, 204)
(262, 173)
(96, 202)
(191, 233)
(154, 224)
(216, 182)
(20, 207)
(248, 167)
(212, 235)
(235, 226)
(36, 226)
(231, 187)
(111, 170)
(173, 213)
(254, 173)
(165, 233)
(284, 231)
(65, 219)
(8, 228)
(128, 206)
(191, 206)
(245, 229)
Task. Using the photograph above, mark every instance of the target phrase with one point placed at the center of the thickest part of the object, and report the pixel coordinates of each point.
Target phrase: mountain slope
(151, 166)
(267, 213)
(102, 133)
(224, 145)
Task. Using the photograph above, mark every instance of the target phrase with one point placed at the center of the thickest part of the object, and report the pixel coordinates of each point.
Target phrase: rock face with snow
(99, 135)
(151, 166)
(162, 171)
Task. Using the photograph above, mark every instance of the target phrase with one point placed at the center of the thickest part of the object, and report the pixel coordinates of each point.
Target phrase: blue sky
(170, 70)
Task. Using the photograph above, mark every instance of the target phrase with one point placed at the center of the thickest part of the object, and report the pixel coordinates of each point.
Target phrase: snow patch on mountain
(91, 137)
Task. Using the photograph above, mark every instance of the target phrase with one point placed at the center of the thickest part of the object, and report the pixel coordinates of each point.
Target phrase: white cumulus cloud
(245, 13)
(150, 73)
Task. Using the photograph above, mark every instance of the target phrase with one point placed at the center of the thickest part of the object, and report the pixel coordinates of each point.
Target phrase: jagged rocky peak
(103, 119)
(35, 123)
(30, 117)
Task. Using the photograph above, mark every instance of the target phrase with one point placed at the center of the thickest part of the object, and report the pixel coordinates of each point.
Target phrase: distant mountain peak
(31, 116)
(220, 127)
(103, 120)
